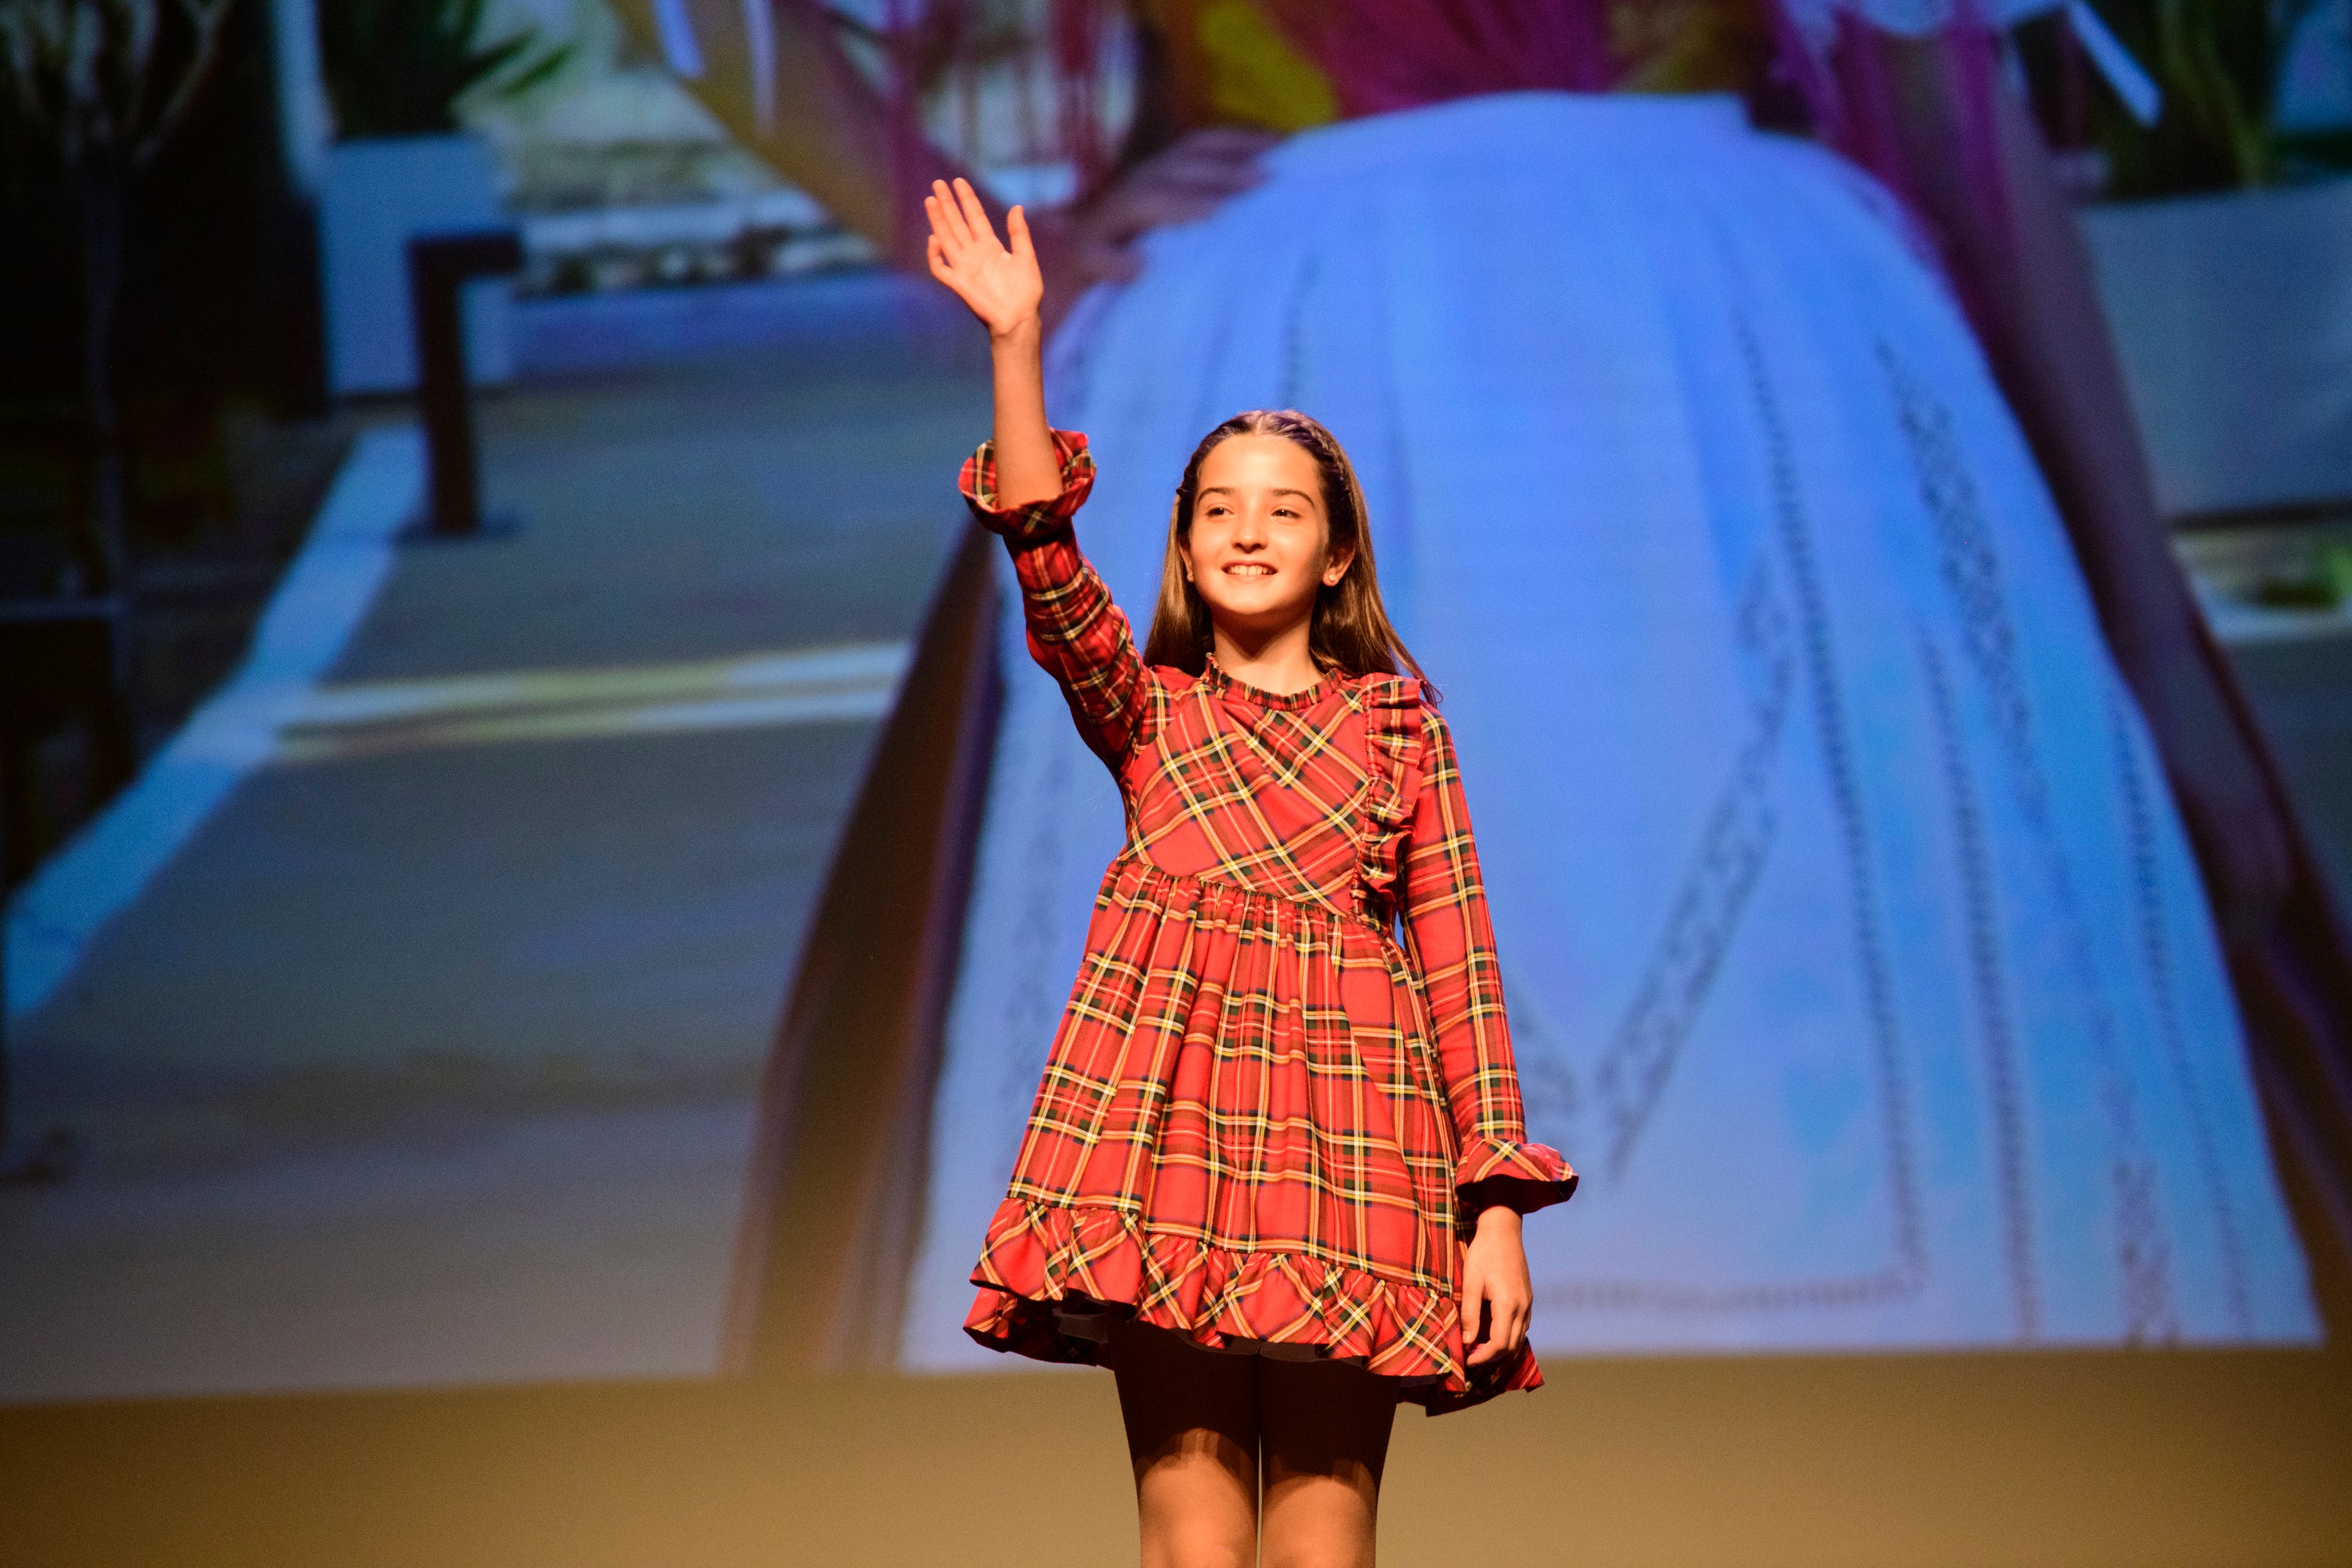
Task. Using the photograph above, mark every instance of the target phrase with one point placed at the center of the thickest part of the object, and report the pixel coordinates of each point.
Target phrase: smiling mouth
(1249, 569)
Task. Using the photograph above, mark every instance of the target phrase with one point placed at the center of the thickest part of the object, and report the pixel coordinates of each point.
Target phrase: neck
(1277, 662)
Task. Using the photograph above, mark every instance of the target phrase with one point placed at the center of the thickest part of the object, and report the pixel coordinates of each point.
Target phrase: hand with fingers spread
(1498, 1296)
(1002, 287)
(1001, 283)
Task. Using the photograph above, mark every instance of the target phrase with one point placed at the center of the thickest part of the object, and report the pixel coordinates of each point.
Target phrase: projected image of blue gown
(1852, 943)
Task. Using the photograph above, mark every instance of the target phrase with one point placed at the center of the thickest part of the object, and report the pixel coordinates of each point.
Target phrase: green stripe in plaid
(1284, 1080)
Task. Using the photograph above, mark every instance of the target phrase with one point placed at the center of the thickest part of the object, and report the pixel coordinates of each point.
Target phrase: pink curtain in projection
(1397, 54)
(1386, 55)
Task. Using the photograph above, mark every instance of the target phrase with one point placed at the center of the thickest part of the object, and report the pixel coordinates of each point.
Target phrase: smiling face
(1258, 548)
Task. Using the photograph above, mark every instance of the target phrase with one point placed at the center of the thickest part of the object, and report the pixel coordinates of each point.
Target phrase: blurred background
(441, 1001)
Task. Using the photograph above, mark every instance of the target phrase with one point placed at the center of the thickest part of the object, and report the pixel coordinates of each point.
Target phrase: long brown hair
(1350, 631)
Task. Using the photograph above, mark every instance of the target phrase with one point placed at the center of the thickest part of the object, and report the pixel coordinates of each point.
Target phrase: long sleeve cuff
(1042, 519)
(1519, 1176)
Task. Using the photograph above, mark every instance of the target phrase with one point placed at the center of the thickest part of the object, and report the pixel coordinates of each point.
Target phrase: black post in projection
(439, 264)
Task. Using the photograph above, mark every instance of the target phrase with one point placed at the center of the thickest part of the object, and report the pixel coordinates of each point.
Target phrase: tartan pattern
(1284, 1083)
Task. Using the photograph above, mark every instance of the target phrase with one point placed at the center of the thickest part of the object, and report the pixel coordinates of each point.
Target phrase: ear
(1335, 567)
(1184, 553)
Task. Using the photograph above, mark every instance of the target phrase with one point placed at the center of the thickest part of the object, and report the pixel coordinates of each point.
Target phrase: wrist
(1023, 334)
(1498, 1219)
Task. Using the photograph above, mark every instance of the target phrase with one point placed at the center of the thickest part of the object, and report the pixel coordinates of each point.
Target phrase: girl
(1280, 1115)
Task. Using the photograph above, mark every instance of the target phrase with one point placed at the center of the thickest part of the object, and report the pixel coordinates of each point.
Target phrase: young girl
(1280, 1117)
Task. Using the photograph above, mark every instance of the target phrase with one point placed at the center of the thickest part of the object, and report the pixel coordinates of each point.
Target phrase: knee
(1318, 1521)
(1326, 1552)
(1197, 1543)
(1197, 1509)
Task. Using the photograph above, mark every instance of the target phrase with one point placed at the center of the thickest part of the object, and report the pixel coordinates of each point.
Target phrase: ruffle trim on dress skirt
(1524, 1176)
(1052, 1279)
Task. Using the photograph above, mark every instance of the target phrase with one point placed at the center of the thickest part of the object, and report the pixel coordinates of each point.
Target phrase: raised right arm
(1028, 482)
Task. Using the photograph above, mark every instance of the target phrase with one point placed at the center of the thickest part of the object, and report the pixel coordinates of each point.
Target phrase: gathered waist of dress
(1135, 873)
(1464, 131)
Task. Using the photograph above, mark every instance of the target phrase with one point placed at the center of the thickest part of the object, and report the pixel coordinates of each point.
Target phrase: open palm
(1002, 285)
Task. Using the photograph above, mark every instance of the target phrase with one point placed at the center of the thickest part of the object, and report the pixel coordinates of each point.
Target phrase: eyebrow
(1228, 490)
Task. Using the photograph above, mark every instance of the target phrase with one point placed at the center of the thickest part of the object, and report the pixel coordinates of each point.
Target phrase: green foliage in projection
(2218, 63)
(398, 68)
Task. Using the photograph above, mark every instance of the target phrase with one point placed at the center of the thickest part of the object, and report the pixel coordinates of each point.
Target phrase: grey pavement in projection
(438, 1064)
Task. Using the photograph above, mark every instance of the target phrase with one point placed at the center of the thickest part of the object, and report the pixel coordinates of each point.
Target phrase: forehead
(1260, 463)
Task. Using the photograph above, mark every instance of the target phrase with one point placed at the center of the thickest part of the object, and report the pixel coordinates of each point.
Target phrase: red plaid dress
(1283, 1083)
